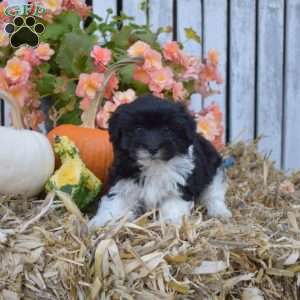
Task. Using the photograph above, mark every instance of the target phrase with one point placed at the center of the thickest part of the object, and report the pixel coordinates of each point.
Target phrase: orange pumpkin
(94, 146)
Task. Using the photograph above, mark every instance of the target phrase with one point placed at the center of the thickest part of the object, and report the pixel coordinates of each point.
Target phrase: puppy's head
(151, 128)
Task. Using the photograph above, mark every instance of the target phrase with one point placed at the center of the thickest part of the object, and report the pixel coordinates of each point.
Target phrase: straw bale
(47, 252)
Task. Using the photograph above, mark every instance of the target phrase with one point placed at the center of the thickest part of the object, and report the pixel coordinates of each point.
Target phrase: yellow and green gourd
(73, 177)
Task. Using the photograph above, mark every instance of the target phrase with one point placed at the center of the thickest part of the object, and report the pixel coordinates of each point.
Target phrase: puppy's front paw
(96, 222)
(221, 211)
(173, 210)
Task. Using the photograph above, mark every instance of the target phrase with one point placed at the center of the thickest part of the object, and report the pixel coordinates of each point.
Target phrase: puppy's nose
(153, 150)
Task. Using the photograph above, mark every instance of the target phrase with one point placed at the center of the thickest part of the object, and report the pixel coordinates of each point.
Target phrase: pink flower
(20, 92)
(141, 75)
(79, 6)
(110, 106)
(161, 80)
(105, 113)
(192, 69)
(210, 72)
(85, 103)
(43, 51)
(17, 70)
(54, 6)
(213, 56)
(112, 85)
(152, 60)
(89, 84)
(3, 6)
(178, 91)
(210, 125)
(3, 80)
(102, 119)
(4, 40)
(138, 49)
(28, 54)
(102, 56)
(172, 51)
(124, 97)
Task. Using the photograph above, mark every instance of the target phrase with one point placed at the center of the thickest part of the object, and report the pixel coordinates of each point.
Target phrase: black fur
(152, 124)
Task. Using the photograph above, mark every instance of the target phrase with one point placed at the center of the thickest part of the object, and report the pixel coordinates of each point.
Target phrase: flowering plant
(70, 61)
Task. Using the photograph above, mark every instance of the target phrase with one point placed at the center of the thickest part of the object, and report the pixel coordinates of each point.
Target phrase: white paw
(96, 222)
(173, 210)
(219, 212)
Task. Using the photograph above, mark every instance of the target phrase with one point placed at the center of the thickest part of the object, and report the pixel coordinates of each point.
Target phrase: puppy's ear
(115, 128)
(187, 121)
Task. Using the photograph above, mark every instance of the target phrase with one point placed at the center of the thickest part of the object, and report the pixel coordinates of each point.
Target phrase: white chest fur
(160, 179)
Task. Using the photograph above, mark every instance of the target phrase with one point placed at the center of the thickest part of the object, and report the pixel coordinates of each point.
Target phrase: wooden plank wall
(259, 51)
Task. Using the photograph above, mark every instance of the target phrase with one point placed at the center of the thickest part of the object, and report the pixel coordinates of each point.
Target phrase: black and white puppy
(160, 162)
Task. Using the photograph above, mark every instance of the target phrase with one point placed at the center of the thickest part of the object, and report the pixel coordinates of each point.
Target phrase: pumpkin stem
(89, 116)
(15, 109)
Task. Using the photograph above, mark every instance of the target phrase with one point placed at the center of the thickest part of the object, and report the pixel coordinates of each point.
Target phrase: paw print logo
(24, 31)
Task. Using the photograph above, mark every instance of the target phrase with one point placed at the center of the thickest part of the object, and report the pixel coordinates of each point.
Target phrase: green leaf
(53, 32)
(93, 26)
(43, 68)
(126, 74)
(144, 35)
(121, 38)
(67, 21)
(46, 84)
(82, 63)
(191, 34)
(72, 55)
(72, 117)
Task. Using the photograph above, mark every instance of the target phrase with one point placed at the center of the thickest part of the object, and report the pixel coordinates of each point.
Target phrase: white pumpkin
(26, 157)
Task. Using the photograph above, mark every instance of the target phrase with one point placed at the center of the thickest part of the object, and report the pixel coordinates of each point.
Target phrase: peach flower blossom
(4, 40)
(210, 125)
(43, 51)
(124, 97)
(17, 70)
(89, 84)
(110, 106)
(101, 56)
(53, 6)
(112, 85)
(192, 69)
(209, 72)
(178, 91)
(28, 54)
(85, 103)
(138, 49)
(140, 74)
(161, 80)
(3, 6)
(20, 92)
(213, 56)
(152, 60)
(3, 80)
(171, 51)
(78, 6)
(105, 113)
(102, 119)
